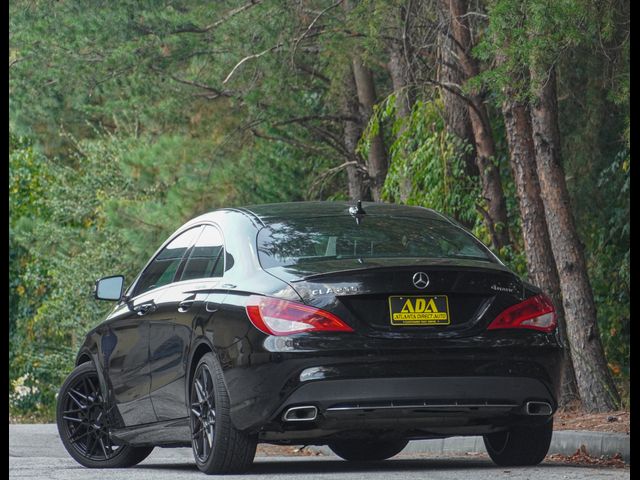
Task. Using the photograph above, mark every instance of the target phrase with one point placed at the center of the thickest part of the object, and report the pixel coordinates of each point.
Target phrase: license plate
(418, 310)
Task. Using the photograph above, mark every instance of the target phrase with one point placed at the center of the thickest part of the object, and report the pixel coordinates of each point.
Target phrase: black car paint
(145, 364)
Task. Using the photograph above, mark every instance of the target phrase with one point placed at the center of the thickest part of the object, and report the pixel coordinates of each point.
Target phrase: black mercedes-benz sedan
(360, 327)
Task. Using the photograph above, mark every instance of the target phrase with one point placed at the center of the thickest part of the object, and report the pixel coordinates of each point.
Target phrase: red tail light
(535, 312)
(274, 316)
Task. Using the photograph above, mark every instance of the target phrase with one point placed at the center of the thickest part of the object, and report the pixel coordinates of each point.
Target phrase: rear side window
(165, 265)
(207, 256)
(320, 239)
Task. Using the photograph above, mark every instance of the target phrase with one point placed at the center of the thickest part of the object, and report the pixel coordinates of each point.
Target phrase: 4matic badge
(502, 288)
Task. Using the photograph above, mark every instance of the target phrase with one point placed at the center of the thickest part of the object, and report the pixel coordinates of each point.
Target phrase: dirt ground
(617, 422)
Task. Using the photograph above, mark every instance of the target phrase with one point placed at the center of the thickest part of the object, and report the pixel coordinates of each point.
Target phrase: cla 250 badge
(335, 290)
(419, 310)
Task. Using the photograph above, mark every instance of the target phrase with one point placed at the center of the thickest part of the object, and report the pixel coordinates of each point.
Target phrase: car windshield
(317, 239)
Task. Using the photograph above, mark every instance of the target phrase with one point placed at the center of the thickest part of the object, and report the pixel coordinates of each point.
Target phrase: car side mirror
(109, 288)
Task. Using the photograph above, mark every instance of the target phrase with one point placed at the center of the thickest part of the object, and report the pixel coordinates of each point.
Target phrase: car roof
(273, 212)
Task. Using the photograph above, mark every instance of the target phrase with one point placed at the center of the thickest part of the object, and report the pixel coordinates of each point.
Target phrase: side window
(207, 256)
(163, 268)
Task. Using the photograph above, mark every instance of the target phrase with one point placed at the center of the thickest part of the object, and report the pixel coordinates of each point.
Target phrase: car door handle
(185, 305)
(228, 285)
(144, 308)
(211, 307)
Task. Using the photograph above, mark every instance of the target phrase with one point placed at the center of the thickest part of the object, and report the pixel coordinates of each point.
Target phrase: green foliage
(609, 264)
(427, 168)
(57, 245)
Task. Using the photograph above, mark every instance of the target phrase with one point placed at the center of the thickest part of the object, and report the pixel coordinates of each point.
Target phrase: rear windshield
(318, 239)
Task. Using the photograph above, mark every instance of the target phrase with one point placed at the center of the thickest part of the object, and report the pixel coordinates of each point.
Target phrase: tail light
(535, 312)
(274, 316)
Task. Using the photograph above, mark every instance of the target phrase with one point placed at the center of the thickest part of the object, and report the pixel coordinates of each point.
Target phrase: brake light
(275, 316)
(535, 312)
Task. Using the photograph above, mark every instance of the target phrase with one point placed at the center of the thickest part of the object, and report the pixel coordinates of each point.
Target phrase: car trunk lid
(460, 297)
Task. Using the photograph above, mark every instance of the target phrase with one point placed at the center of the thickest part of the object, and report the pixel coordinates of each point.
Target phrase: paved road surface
(35, 452)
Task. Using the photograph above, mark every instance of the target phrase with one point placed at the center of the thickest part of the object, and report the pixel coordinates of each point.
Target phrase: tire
(520, 446)
(84, 421)
(367, 450)
(218, 447)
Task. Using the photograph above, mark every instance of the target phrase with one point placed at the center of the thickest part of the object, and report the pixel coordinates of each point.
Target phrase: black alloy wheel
(218, 447)
(85, 420)
(203, 413)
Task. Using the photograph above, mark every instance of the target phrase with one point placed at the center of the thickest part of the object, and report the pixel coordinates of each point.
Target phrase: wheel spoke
(196, 413)
(75, 440)
(90, 442)
(204, 446)
(209, 432)
(87, 388)
(107, 438)
(197, 432)
(73, 410)
(78, 393)
(92, 388)
(104, 450)
(78, 402)
(109, 444)
(199, 391)
(72, 419)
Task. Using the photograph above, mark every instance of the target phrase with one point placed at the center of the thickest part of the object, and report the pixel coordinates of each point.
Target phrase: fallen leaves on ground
(582, 457)
(613, 422)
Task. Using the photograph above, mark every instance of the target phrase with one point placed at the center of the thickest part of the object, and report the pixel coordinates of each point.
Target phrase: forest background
(128, 118)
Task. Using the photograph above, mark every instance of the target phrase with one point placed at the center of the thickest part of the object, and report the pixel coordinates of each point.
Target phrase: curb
(564, 442)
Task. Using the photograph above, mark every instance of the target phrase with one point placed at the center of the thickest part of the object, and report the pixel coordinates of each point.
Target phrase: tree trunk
(540, 262)
(398, 70)
(356, 173)
(595, 384)
(377, 163)
(456, 108)
(495, 214)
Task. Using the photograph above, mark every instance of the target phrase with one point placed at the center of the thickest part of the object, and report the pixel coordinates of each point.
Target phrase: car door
(171, 330)
(125, 339)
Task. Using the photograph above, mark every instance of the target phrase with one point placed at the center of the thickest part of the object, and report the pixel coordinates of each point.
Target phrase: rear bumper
(419, 407)
(431, 392)
(426, 392)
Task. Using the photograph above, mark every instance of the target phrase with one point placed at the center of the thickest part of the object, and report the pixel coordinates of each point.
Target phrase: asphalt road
(35, 452)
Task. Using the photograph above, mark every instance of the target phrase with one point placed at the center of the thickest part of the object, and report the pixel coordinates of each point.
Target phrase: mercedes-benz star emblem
(420, 280)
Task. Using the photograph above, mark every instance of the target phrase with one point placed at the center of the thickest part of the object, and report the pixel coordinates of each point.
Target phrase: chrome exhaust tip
(307, 413)
(538, 408)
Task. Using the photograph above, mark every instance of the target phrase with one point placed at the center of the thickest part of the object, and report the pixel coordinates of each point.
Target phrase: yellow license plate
(418, 310)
